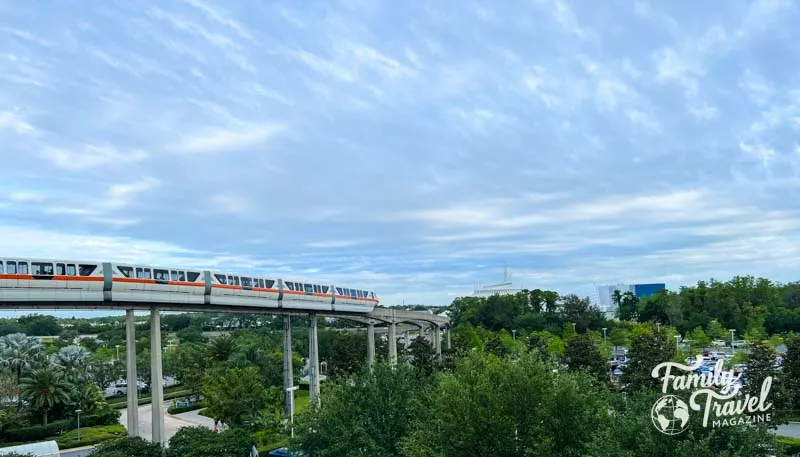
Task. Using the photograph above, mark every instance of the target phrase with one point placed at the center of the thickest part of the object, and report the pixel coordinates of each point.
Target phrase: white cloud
(13, 121)
(214, 139)
(87, 156)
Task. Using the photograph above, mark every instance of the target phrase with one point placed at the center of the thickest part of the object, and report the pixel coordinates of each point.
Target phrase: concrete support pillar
(407, 339)
(437, 341)
(313, 359)
(156, 378)
(371, 344)
(392, 344)
(288, 369)
(422, 332)
(133, 380)
(449, 343)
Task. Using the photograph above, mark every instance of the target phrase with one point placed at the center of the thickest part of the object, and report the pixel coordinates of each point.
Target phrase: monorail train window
(178, 276)
(309, 288)
(221, 279)
(268, 283)
(22, 268)
(143, 273)
(359, 294)
(71, 270)
(339, 291)
(1, 266)
(233, 280)
(41, 268)
(86, 270)
(247, 282)
(61, 269)
(126, 271)
(289, 285)
(353, 293)
(324, 289)
(161, 275)
(316, 289)
(192, 276)
(11, 267)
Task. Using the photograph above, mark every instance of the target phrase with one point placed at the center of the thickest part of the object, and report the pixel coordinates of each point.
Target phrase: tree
(423, 356)
(38, 325)
(489, 406)
(716, 330)
(647, 351)
(235, 395)
(45, 388)
(760, 366)
(791, 371)
(619, 336)
(699, 338)
(369, 412)
(128, 447)
(629, 432)
(583, 354)
(220, 348)
(19, 352)
(73, 359)
(202, 442)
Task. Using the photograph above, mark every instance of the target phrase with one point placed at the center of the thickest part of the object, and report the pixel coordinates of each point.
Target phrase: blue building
(605, 294)
(646, 290)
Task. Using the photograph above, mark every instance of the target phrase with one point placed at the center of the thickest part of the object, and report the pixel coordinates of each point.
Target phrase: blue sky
(414, 148)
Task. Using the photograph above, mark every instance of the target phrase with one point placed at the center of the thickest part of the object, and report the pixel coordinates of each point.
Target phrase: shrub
(127, 447)
(185, 409)
(56, 428)
(90, 436)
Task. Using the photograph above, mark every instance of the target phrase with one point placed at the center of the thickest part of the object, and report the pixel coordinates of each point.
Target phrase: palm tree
(45, 388)
(73, 359)
(19, 352)
(221, 348)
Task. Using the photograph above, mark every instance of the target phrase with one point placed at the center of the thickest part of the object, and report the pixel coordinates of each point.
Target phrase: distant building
(605, 294)
(504, 288)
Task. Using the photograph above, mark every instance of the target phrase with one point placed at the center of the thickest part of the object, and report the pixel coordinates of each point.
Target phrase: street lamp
(604, 335)
(677, 342)
(732, 332)
(78, 412)
(290, 392)
(118, 352)
(514, 333)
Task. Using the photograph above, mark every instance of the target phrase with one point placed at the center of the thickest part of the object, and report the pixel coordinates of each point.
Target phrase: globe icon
(670, 415)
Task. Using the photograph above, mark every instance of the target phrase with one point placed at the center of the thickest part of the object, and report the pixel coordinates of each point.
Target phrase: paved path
(792, 429)
(171, 424)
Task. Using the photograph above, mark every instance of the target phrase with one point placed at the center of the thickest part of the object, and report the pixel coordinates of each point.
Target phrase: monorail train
(32, 280)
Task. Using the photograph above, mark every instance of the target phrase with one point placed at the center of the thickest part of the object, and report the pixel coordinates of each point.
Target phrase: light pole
(733, 331)
(290, 391)
(118, 353)
(77, 411)
(514, 333)
(677, 342)
(604, 335)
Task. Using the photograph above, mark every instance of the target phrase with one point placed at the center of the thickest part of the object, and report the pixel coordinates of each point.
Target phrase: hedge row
(42, 432)
(147, 400)
(186, 409)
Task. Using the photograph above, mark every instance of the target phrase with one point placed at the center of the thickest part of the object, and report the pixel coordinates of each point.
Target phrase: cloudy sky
(414, 148)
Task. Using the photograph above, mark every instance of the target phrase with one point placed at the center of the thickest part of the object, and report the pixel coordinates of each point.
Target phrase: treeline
(754, 307)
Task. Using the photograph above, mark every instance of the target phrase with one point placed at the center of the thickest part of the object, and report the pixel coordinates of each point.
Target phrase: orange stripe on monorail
(134, 280)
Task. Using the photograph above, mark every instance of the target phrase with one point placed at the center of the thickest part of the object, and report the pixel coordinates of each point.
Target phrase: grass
(90, 436)
(792, 444)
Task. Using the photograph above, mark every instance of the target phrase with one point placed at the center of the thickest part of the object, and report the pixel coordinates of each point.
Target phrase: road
(792, 429)
(171, 424)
